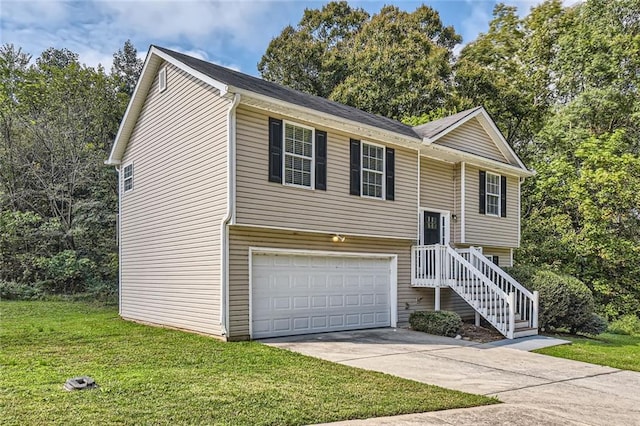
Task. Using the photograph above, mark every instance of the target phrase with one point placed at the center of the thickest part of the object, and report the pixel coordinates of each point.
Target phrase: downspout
(227, 219)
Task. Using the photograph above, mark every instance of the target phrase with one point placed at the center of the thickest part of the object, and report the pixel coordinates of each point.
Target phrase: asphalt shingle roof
(276, 91)
(433, 128)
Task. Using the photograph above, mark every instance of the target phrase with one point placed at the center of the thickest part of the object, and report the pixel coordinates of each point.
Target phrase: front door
(431, 229)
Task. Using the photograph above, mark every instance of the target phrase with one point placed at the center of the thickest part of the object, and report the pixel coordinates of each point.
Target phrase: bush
(565, 301)
(627, 324)
(595, 325)
(441, 323)
(10, 290)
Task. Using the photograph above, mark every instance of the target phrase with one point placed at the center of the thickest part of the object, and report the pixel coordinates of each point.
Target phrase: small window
(493, 194)
(298, 155)
(128, 177)
(372, 170)
(493, 259)
(162, 79)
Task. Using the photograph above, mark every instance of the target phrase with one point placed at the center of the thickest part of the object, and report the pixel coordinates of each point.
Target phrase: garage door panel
(296, 294)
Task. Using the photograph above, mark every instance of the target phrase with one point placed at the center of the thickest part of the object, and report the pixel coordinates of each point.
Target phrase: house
(251, 210)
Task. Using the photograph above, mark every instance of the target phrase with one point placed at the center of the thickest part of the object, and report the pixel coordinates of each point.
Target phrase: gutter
(229, 215)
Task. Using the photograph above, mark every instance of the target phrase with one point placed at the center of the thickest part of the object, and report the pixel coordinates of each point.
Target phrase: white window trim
(133, 172)
(445, 221)
(313, 155)
(384, 171)
(486, 194)
(162, 78)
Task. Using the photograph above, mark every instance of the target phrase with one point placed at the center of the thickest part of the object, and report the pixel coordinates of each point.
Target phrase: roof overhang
(455, 156)
(277, 106)
(492, 130)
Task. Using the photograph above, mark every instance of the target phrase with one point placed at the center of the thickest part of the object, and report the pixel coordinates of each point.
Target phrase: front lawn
(150, 375)
(612, 350)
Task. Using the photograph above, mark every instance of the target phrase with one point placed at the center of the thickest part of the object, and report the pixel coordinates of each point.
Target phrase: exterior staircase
(492, 293)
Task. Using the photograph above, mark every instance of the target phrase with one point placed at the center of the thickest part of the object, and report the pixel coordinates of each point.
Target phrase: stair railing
(525, 302)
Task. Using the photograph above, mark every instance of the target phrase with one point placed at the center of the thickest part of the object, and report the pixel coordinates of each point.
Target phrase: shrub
(595, 325)
(10, 290)
(627, 324)
(565, 301)
(442, 323)
(65, 272)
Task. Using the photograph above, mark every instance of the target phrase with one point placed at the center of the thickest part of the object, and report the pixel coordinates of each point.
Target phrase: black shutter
(354, 168)
(483, 191)
(275, 150)
(391, 173)
(503, 196)
(321, 160)
(496, 260)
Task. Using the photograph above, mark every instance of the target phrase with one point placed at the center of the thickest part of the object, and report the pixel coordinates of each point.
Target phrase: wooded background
(562, 84)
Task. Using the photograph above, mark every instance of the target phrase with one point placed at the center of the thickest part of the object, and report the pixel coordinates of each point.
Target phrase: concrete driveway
(536, 389)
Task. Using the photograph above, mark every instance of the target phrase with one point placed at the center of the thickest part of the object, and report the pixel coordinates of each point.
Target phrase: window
(128, 177)
(298, 155)
(493, 259)
(162, 80)
(493, 194)
(372, 170)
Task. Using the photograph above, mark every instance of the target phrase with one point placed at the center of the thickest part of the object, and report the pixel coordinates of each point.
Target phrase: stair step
(524, 332)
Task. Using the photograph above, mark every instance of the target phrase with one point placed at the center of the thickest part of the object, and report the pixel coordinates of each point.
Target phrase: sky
(232, 33)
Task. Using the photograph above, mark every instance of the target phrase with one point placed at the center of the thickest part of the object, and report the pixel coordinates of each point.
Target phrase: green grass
(612, 350)
(150, 375)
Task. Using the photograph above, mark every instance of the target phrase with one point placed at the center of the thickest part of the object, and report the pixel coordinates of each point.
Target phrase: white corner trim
(418, 191)
(463, 178)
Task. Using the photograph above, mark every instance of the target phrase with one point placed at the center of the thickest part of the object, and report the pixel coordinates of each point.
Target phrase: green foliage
(10, 290)
(565, 302)
(441, 323)
(627, 325)
(148, 375)
(394, 63)
(58, 202)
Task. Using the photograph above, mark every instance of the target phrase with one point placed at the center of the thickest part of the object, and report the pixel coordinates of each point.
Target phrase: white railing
(440, 265)
(525, 301)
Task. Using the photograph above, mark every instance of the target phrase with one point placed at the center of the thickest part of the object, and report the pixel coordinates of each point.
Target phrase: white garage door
(300, 294)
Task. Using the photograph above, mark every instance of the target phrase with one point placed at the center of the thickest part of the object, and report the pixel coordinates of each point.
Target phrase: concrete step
(524, 332)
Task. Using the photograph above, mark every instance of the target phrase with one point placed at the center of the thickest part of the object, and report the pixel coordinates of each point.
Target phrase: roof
(331, 113)
(434, 128)
(273, 90)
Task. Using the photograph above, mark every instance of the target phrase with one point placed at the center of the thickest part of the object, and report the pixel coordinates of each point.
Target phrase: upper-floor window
(493, 194)
(298, 155)
(162, 79)
(127, 177)
(372, 170)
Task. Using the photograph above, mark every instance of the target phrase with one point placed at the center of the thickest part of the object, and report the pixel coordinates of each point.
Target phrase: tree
(396, 63)
(59, 119)
(313, 56)
(400, 65)
(126, 68)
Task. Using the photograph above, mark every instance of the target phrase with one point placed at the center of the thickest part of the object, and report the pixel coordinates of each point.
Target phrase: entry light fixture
(454, 217)
(337, 238)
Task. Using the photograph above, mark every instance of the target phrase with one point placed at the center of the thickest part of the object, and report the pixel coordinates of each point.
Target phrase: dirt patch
(479, 334)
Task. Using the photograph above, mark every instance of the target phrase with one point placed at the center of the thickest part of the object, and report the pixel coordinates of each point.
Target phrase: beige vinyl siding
(504, 255)
(472, 138)
(264, 203)
(437, 184)
(171, 220)
(486, 230)
(241, 238)
(450, 301)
